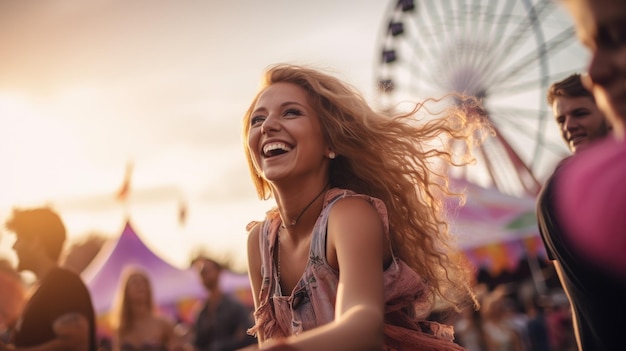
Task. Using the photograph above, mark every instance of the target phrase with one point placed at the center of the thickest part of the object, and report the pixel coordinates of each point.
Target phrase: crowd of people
(58, 312)
(509, 320)
(355, 254)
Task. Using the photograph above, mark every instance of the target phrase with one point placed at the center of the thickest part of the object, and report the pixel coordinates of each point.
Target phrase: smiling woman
(153, 82)
(356, 250)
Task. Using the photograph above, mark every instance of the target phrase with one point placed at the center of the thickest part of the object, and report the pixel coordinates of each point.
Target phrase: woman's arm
(355, 245)
(254, 267)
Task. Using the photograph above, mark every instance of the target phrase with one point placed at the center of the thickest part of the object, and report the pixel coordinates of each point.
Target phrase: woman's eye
(292, 112)
(256, 120)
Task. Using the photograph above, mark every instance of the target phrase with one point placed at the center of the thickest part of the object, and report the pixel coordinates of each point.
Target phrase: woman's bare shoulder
(352, 208)
(254, 230)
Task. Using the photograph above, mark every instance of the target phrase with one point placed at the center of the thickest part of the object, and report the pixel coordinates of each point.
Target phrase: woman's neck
(299, 222)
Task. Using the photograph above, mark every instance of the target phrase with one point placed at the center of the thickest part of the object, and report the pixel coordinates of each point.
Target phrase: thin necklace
(278, 255)
(282, 226)
(292, 223)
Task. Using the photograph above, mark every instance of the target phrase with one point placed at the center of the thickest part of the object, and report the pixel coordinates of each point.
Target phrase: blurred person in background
(600, 27)
(537, 324)
(596, 224)
(582, 125)
(12, 298)
(589, 194)
(222, 322)
(559, 320)
(136, 324)
(59, 314)
(500, 332)
(469, 325)
(469, 331)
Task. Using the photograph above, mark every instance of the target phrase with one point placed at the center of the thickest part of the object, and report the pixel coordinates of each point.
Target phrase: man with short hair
(589, 193)
(59, 314)
(581, 125)
(222, 322)
(576, 113)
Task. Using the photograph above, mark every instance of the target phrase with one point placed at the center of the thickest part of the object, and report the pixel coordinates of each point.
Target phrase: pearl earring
(332, 155)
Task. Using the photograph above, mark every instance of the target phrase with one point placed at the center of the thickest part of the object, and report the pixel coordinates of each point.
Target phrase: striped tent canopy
(494, 230)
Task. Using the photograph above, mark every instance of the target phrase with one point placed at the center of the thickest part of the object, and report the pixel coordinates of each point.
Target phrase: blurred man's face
(27, 250)
(601, 27)
(210, 274)
(579, 120)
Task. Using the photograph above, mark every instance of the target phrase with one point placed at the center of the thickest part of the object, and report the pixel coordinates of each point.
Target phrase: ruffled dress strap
(264, 315)
(407, 296)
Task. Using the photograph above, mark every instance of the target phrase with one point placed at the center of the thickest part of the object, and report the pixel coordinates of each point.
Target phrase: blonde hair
(387, 156)
(122, 318)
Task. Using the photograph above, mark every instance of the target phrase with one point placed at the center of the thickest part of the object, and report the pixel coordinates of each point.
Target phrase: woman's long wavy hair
(399, 158)
(122, 319)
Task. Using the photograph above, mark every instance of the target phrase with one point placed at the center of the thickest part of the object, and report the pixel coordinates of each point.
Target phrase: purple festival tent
(170, 285)
(494, 230)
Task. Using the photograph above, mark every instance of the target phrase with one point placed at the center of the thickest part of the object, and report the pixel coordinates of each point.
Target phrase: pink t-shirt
(590, 195)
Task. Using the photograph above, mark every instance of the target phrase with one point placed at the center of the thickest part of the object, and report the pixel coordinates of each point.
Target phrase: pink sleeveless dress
(312, 302)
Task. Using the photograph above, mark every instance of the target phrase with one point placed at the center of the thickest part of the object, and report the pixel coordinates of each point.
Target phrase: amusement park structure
(505, 53)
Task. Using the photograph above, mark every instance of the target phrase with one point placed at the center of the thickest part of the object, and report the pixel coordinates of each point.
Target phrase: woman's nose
(270, 123)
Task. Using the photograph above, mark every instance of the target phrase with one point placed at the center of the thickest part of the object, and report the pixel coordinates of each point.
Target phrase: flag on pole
(182, 212)
(124, 190)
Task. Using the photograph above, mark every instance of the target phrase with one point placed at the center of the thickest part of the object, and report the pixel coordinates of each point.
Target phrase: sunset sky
(88, 86)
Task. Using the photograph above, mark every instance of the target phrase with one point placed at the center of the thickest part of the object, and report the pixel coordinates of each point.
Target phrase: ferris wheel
(506, 52)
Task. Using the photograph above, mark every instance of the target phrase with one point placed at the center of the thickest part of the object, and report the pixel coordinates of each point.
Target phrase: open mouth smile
(275, 149)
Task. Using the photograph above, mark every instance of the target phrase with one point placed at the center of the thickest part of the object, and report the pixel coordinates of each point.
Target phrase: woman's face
(137, 287)
(285, 136)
